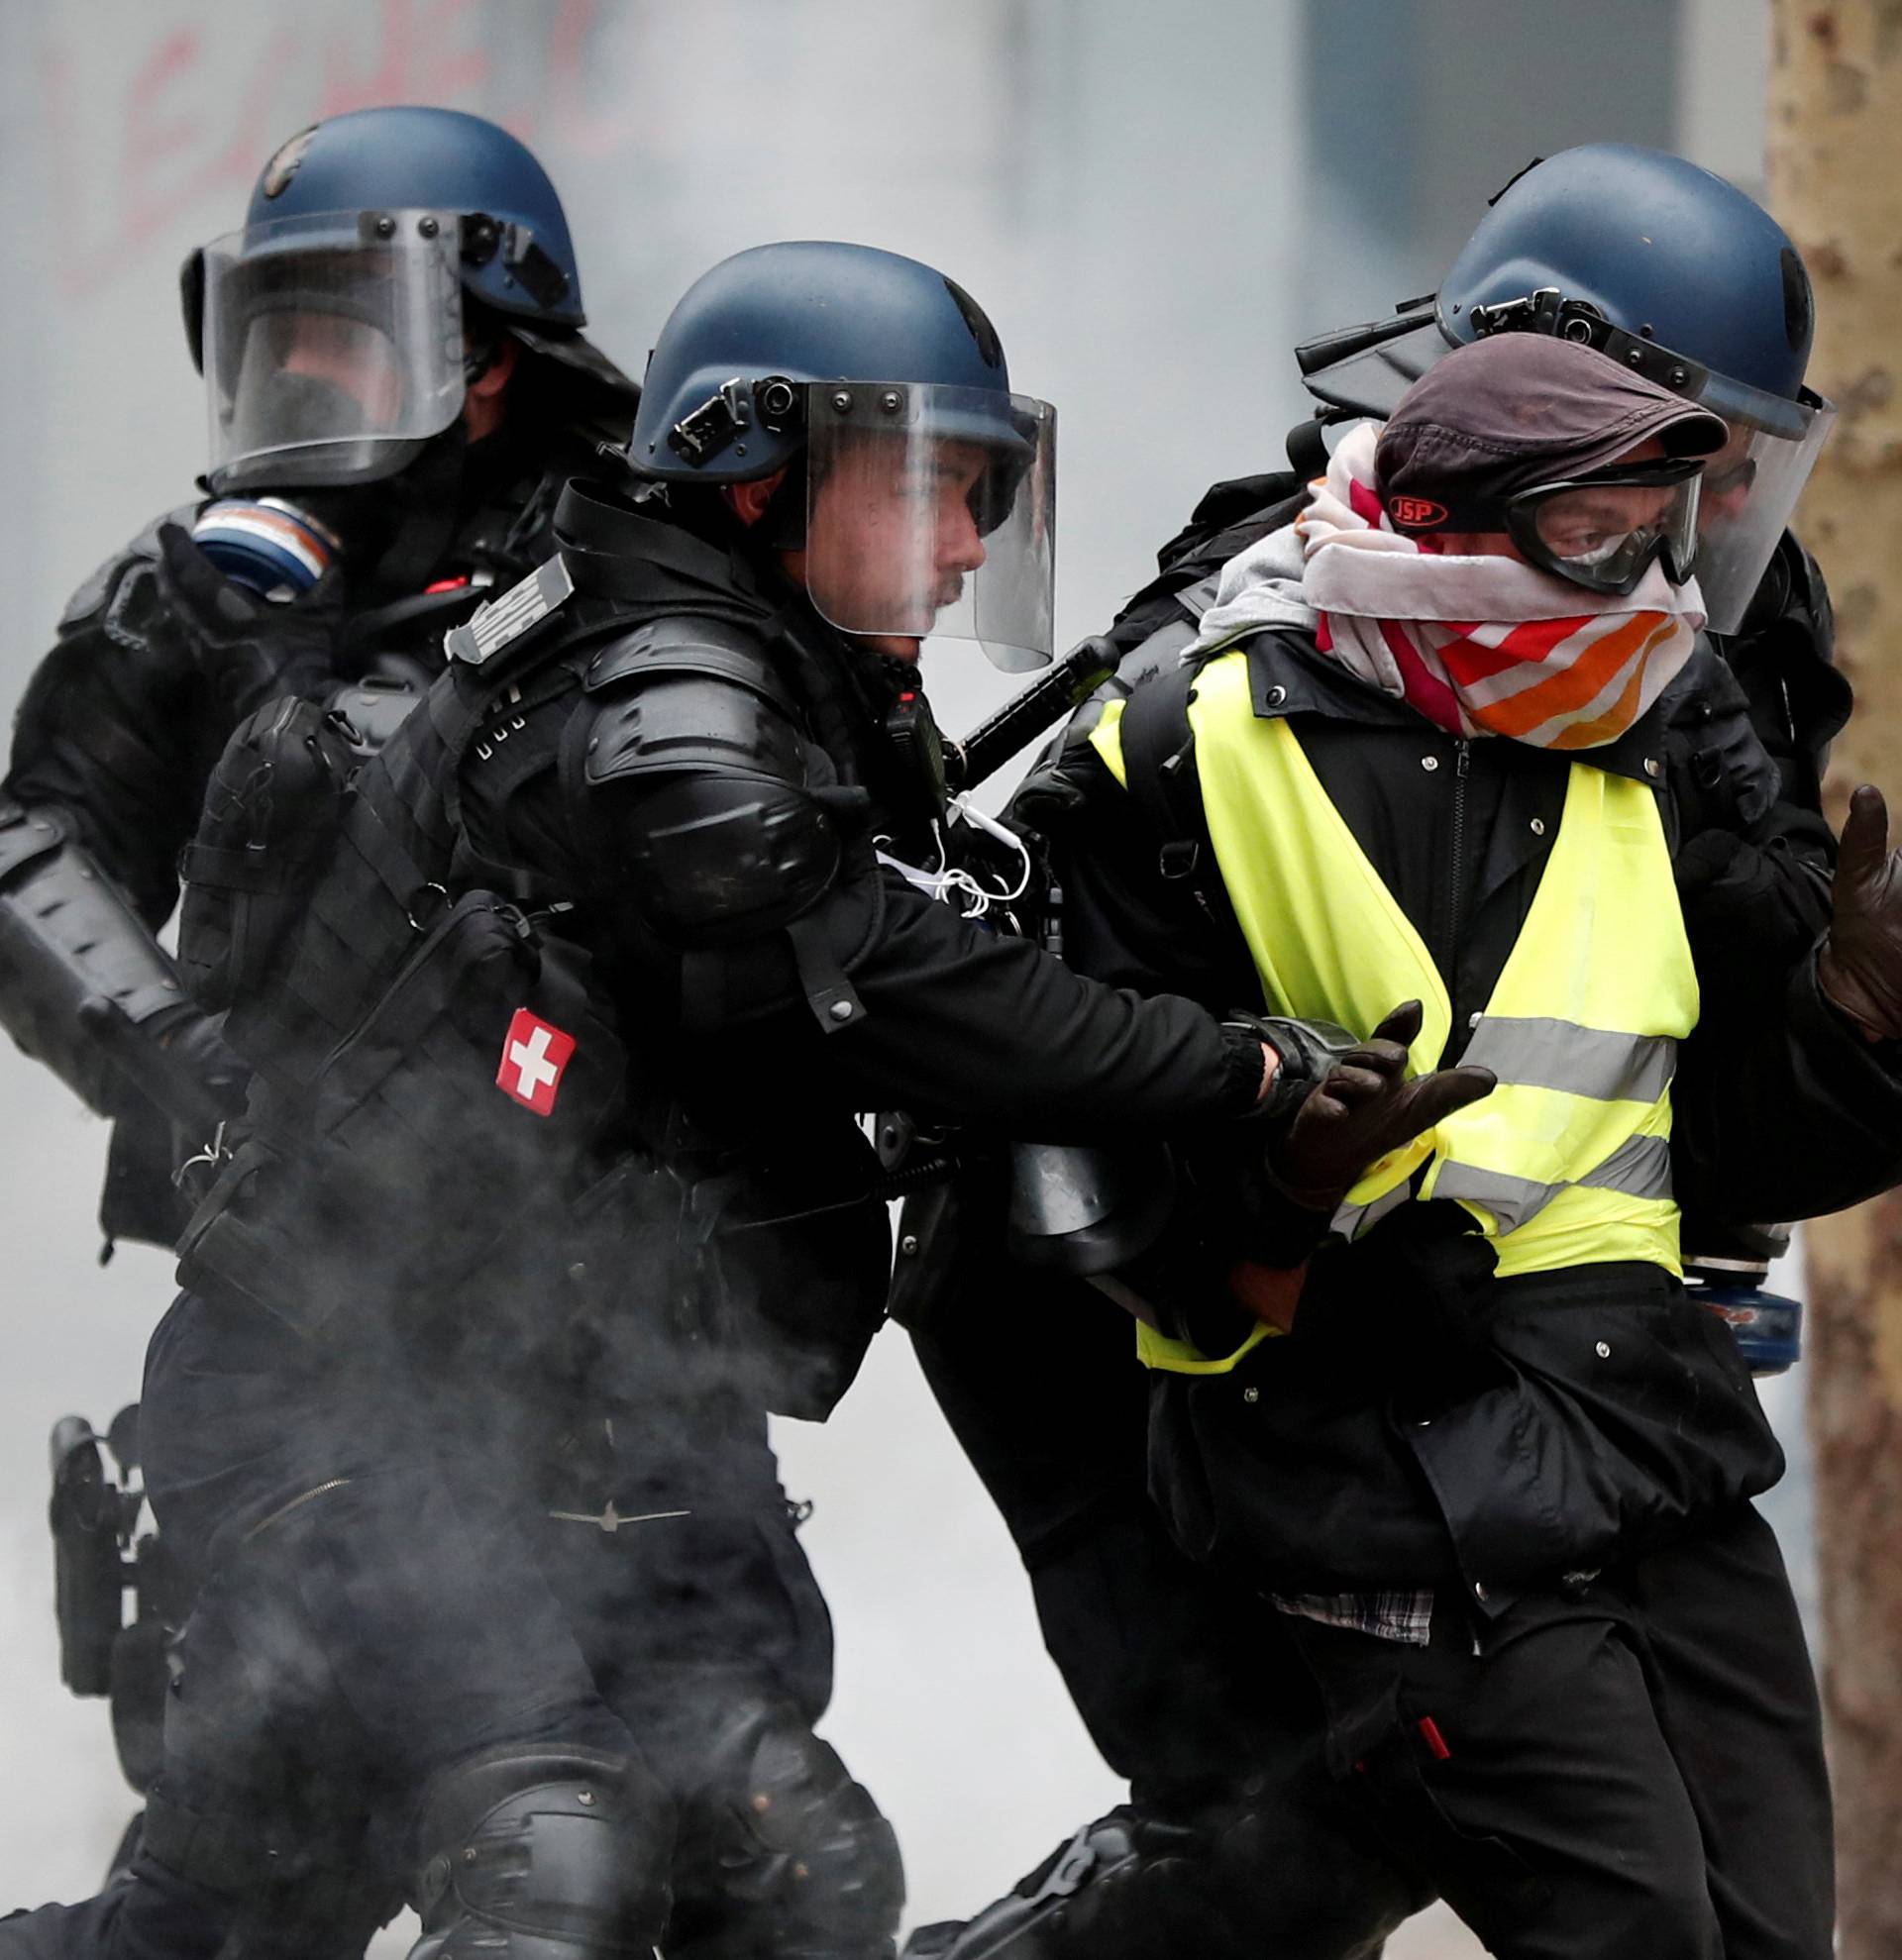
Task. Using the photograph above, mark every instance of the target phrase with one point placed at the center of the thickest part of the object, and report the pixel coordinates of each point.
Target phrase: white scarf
(1480, 645)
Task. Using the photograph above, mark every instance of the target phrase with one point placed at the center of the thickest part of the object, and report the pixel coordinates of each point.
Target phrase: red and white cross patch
(534, 1054)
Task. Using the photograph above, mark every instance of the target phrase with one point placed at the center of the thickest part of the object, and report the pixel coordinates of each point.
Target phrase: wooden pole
(1835, 182)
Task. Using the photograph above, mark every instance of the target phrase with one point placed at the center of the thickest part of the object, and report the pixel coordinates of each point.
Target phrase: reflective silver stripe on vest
(1535, 1053)
(1510, 1200)
(1579, 1061)
(1641, 1166)
(1353, 1218)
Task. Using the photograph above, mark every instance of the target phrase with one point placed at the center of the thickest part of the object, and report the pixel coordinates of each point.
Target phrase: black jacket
(959, 1021)
(124, 718)
(1427, 1421)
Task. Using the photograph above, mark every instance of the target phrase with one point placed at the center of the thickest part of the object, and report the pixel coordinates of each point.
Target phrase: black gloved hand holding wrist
(1336, 1107)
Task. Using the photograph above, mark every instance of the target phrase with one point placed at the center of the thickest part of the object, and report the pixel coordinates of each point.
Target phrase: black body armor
(379, 1029)
(114, 747)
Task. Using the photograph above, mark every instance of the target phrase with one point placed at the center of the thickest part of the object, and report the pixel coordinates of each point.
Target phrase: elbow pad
(701, 783)
(83, 983)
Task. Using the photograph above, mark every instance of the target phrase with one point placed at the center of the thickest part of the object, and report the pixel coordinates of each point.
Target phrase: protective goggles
(1603, 529)
(1752, 483)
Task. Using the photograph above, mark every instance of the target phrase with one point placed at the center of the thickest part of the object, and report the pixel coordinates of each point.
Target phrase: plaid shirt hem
(1407, 1618)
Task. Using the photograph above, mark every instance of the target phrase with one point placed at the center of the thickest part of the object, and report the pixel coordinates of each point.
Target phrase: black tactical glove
(1338, 1105)
(196, 1045)
(177, 1060)
(1861, 964)
(250, 650)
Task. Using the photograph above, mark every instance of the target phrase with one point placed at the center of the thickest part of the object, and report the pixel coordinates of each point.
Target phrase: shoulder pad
(691, 696)
(501, 622)
(94, 592)
(1164, 648)
(714, 647)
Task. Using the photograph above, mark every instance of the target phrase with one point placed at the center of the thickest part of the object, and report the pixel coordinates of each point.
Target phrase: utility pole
(1835, 154)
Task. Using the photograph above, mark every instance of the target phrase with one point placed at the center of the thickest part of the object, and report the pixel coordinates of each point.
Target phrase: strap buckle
(433, 912)
(208, 1158)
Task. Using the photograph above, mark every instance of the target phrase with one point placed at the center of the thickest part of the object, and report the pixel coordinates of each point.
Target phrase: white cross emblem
(534, 1054)
(532, 1066)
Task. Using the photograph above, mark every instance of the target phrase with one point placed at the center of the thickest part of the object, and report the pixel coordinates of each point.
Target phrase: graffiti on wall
(180, 118)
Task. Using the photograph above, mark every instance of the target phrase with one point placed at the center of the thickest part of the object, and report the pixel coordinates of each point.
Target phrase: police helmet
(332, 329)
(1668, 268)
(868, 375)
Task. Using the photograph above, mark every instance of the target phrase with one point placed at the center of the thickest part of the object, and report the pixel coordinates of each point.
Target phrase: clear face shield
(1751, 488)
(331, 346)
(933, 510)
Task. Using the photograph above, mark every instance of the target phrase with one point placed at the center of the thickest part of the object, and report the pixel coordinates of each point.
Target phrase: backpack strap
(1159, 768)
(394, 868)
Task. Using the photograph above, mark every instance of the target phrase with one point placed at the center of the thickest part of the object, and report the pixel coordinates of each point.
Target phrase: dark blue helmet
(887, 384)
(334, 329)
(514, 251)
(1653, 245)
(722, 399)
(1664, 267)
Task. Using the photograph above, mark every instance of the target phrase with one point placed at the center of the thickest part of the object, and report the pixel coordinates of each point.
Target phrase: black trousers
(1179, 1670)
(1635, 1769)
(382, 1591)
(1185, 1678)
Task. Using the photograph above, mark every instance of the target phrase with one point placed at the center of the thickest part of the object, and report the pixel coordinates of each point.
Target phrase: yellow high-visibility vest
(1568, 1162)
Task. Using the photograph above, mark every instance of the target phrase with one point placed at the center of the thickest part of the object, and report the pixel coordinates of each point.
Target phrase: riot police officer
(1690, 283)
(398, 383)
(549, 1185)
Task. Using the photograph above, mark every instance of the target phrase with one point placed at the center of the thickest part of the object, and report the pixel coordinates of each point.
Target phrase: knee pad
(783, 1853)
(543, 1854)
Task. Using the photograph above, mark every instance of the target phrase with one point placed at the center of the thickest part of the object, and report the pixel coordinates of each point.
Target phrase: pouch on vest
(789, 1260)
(420, 1172)
(273, 807)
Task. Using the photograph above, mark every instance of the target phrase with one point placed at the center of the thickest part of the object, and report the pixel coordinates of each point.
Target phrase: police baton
(1030, 712)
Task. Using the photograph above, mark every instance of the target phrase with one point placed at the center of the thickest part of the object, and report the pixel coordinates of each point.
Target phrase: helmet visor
(1751, 488)
(932, 511)
(1603, 530)
(333, 343)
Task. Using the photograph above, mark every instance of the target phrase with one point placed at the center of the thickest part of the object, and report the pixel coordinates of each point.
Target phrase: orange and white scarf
(1479, 646)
